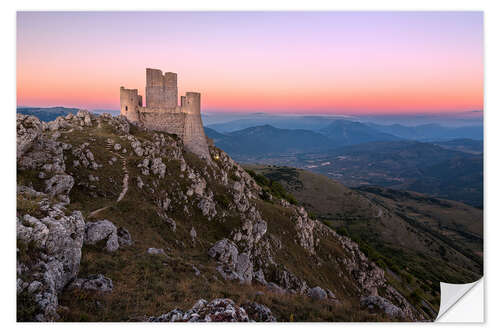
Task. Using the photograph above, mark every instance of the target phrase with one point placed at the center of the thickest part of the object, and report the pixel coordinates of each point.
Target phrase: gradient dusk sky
(286, 62)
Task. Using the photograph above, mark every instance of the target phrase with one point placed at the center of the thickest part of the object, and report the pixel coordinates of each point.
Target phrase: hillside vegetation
(419, 240)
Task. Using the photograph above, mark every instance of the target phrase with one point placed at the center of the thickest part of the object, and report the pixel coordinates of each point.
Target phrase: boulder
(318, 293)
(102, 230)
(224, 251)
(218, 310)
(59, 185)
(154, 251)
(233, 265)
(380, 303)
(96, 282)
(259, 312)
(28, 130)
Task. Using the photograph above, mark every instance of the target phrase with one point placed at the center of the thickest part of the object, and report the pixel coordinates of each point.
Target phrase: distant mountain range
(430, 132)
(423, 132)
(312, 123)
(357, 154)
(266, 140)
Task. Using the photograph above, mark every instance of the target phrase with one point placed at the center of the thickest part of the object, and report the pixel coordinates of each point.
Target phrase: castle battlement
(162, 112)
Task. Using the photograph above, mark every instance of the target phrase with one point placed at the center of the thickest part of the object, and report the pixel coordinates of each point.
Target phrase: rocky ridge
(252, 249)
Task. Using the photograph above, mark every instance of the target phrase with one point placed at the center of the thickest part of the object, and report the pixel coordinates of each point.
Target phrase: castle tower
(161, 90)
(194, 136)
(170, 90)
(130, 103)
(154, 88)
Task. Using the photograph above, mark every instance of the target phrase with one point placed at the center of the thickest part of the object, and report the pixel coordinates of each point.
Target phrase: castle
(162, 112)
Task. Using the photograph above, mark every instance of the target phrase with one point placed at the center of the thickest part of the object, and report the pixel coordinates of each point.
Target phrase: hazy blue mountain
(344, 133)
(265, 140)
(430, 132)
(46, 114)
(313, 123)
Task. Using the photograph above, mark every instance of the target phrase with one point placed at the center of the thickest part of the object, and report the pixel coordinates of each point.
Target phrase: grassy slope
(146, 285)
(419, 240)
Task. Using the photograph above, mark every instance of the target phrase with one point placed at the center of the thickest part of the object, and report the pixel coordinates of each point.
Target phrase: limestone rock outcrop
(49, 253)
(380, 303)
(217, 310)
(233, 265)
(259, 312)
(28, 130)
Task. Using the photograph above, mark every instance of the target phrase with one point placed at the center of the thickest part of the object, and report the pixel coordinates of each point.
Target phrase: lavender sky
(359, 63)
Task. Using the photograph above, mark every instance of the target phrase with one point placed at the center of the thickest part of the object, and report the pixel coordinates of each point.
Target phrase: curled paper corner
(456, 305)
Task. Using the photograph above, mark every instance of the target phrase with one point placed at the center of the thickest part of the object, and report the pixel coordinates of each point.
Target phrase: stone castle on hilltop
(163, 113)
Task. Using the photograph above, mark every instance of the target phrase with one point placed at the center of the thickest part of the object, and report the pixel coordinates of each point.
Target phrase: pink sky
(290, 62)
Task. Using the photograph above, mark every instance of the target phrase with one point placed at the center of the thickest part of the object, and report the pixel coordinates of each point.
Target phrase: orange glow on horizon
(357, 63)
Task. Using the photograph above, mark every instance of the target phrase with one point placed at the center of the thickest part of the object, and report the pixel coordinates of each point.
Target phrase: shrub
(223, 200)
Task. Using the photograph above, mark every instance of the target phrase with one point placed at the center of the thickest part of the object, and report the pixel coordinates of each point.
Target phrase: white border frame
(491, 121)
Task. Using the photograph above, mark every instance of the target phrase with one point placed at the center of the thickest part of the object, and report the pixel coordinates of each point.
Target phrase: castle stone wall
(164, 120)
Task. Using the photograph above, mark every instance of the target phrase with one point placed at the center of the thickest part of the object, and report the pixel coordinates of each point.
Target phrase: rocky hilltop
(116, 222)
